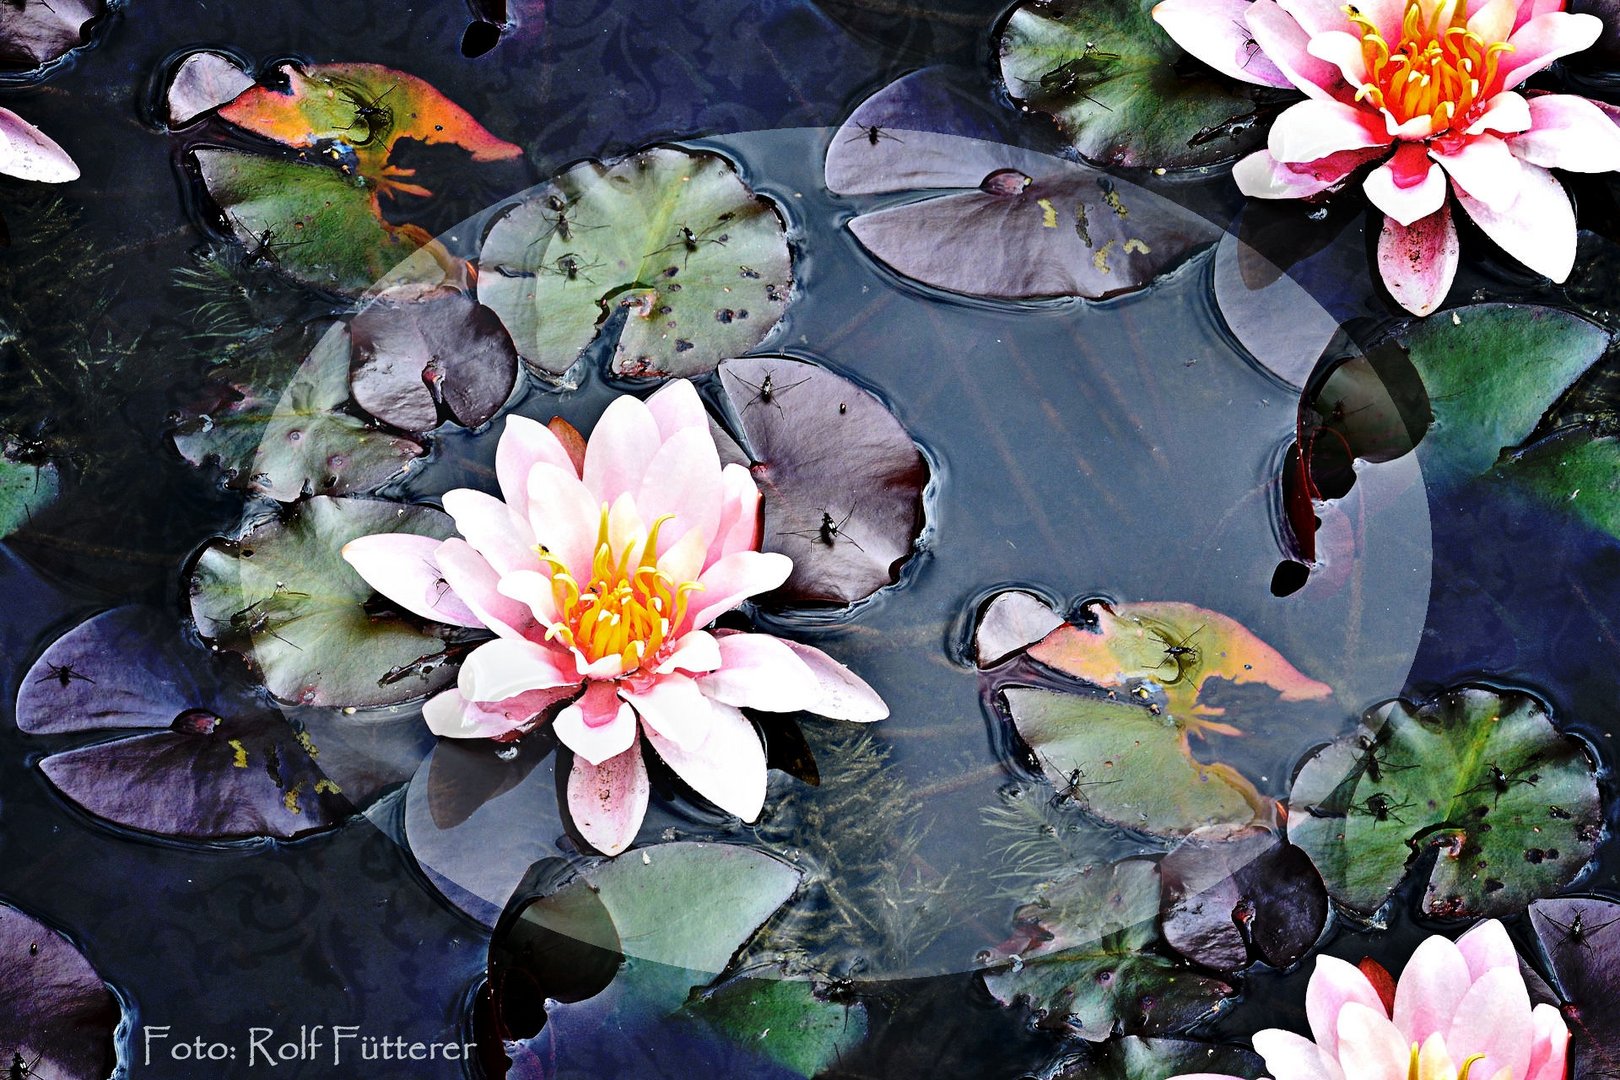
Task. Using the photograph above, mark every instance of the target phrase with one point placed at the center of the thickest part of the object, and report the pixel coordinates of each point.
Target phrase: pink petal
(1569, 132)
(1370, 1047)
(609, 801)
(683, 478)
(621, 444)
(1343, 51)
(1261, 176)
(728, 769)
(566, 517)
(29, 154)
(1418, 127)
(1418, 262)
(1287, 45)
(1406, 203)
(1214, 32)
(533, 590)
(758, 671)
(1321, 16)
(1486, 947)
(1335, 984)
(1548, 1054)
(1494, 1019)
(1314, 129)
(676, 407)
(476, 583)
(1293, 1057)
(1433, 983)
(1538, 229)
(674, 709)
(1485, 169)
(524, 444)
(451, 716)
(627, 530)
(506, 667)
(505, 540)
(738, 528)
(1544, 39)
(843, 696)
(1507, 113)
(1494, 20)
(403, 567)
(732, 580)
(598, 726)
(684, 560)
(695, 653)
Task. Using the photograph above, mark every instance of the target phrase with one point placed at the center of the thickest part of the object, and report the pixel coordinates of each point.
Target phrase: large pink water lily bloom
(29, 154)
(1422, 93)
(1460, 1012)
(599, 580)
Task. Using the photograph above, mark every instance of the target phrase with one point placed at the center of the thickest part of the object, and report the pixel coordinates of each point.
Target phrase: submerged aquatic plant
(1427, 89)
(1460, 1011)
(599, 574)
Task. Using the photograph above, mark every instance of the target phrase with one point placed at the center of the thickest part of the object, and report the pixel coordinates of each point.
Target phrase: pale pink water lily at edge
(1423, 97)
(29, 154)
(600, 579)
(1460, 1012)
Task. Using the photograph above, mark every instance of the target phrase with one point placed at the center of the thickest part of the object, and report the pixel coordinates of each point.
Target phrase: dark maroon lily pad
(842, 480)
(417, 348)
(35, 32)
(1232, 896)
(1579, 938)
(55, 1012)
(201, 83)
(478, 815)
(1133, 1058)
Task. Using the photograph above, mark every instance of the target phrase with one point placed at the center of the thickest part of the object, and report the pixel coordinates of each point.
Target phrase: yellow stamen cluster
(1415, 1071)
(628, 608)
(1439, 68)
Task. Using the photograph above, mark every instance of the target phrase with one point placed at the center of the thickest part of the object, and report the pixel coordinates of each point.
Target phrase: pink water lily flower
(599, 578)
(1459, 1012)
(1422, 94)
(29, 154)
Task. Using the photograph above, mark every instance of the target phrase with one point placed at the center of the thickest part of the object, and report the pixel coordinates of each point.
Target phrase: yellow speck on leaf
(241, 754)
(1049, 217)
(1136, 244)
(290, 799)
(1115, 203)
(324, 786)
(1100, 259)
(308, 744)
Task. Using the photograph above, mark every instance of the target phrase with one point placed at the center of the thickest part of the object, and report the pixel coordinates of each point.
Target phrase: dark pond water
(1125, 450)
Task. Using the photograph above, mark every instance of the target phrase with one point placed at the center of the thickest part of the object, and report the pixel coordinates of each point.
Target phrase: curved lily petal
(1310, 130)
(476, 583)
(1293, 1057)
(1486, 170)
(1335, 984)
(1214, 32)
(1422, 193)
(1418, 262)
(29, 154)
(1494, 1019)
(676, 407)
(404, 567)
(728, 769)
(451, 716)
(598, 726)
(674, 709)
(734, 579)
(843, 694)
(1569, 132)
(1538, 229)
(505, 540)
(609, 801)
(616, 456)
(1544, 39)
(524, 444)
(505, 668)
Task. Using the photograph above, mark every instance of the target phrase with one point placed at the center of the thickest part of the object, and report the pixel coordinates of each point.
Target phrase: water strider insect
(369, 113)
(829, 530)
(1576, 930)
(63, 674)
(767, 389)
(1183, 655)
(20, 1069)
(1499, 782)
(873, 134)
(264, 244)
(255, 618)
(1074, 784)
(1250, 46)
(1382, 807)
(691, 242)
(1081, 74)
(1374, 765)
(569, 266)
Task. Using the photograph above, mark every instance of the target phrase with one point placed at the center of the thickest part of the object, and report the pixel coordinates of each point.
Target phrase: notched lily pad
(35, 32)
(697, 261)
(202, 82)
(1110, 77)
(417, 348)
(1574, 472)
(1232, 896)
(55, 1012)
(280, 434)
(1506, 803)
(842, 480)
(1579, 941)
(281, 596)
(790, 1021)
(1010, 622)
(1084, 959)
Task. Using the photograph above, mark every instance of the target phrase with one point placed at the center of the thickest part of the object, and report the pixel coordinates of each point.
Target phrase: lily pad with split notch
(1083, 957)
(841, 478)
(1480, 778)
(200, 83)
(699, 263)
(282, 597)
(56, 1014)
(792, 1021)
(35, 32)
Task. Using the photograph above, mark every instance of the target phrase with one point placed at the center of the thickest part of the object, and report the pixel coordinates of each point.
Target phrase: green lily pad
(282, 597)
(699, 263)
(1481, 778)
(790, 1021)
(278, 434)
(1132, 1058)
(1576, 472)
(1084, 959)
(1111, 79)
(1122, 762)
(25, 488)
(318, 225)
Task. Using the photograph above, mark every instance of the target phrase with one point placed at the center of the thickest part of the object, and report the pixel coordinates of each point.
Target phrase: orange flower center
(627, 608)
(1438, 68)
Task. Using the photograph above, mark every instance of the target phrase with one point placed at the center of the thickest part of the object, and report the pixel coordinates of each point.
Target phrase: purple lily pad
(34, 32)
(1010, 622)
(842, 480)
(203, 82)
(55, 1012)
(419, 347)
(1579, 939)
(1232, 896)
(1038, 226)
(478, 815)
